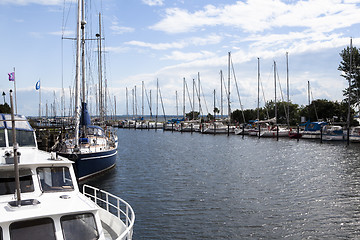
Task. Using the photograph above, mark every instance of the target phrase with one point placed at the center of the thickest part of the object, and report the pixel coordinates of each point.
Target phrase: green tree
(282, 108)
(344, 67)
(210, 117)
(5, 108)
(192, 115)
(325, 110)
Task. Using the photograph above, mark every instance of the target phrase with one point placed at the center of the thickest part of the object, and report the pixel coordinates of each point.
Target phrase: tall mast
(177, 106)
(349, 108)
(150, 104)
(184, 98)
(214, 108)
(101, 91)
(258, 98)
(199, 95)
(221, 94)
(115, 107)
(193, 105)
(229, 109)
(135, 102)
(275, 91)
(77, 86)
(127, 104)
(142, 100)
(157, 102)
(288, 92)
(83, 22)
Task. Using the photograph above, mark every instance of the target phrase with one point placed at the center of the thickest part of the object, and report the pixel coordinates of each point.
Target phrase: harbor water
(197, 186)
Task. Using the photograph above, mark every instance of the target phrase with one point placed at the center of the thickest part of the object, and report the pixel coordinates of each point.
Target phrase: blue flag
(37, 86)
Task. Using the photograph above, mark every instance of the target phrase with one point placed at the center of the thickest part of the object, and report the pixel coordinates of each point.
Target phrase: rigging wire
(282, 96)
(237, 89)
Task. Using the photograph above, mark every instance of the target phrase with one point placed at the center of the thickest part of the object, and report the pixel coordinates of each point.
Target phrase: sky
(164, 41)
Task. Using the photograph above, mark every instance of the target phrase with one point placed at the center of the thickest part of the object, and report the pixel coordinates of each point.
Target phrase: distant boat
(312, 130)
(91, 148)
(333, 133)
(171, 125)
(355, 134)
(275, 131)
(188, 126)
(218, 128)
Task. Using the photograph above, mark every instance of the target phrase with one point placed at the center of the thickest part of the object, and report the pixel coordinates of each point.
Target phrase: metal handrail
(129, 214)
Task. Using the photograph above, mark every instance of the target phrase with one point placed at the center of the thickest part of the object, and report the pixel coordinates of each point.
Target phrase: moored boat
(218, 128)
(275, 131)
(91, 148)
(333, 133)
(312, 130)
(40, 197)
(93, 153)
(355, 134)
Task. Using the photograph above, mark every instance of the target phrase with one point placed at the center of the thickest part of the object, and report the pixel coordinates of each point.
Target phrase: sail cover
(85, 117)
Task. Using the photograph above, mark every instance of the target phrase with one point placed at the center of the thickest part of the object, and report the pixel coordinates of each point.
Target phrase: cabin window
(79, 226)
(7, 181)
(40, 229)
(2, 138)
(55, 179)
(23, 138)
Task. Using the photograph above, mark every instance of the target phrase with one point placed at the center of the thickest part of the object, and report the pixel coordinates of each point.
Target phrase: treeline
(318, 110)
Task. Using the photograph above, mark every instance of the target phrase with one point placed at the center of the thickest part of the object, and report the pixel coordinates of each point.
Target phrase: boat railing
(115, 205)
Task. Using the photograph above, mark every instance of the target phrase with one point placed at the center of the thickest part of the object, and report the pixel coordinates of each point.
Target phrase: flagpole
(39, 98)
(15, 92)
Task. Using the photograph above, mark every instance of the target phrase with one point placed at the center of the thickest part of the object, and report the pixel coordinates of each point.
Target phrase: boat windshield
(7, 181)
(23, 138)
(96, 131)
(55, 179)
(79, 226)
(40, 229)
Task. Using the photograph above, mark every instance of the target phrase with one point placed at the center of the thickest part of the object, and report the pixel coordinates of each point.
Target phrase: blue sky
(169, 40)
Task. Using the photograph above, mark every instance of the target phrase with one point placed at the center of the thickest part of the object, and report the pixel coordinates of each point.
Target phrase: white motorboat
(333, 133)
(40, 198)
(355, 134)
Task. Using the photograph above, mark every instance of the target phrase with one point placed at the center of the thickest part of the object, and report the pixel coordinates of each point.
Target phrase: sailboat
(91, 148)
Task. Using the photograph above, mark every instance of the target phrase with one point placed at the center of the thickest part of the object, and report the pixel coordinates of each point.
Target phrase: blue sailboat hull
(89, 164)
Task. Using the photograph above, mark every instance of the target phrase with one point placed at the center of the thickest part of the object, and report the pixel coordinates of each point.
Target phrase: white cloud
(156, 46)
(195, 41)
(121, 30)
(61, 33)
(117, 29)
(27, 2)
(116, 49)
(153, 2)
(259, 15)
(181, 56)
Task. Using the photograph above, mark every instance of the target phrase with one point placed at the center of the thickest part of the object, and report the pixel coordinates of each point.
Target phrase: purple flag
(11, 76)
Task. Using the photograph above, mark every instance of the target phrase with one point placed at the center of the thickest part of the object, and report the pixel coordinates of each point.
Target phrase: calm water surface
(196, 186)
